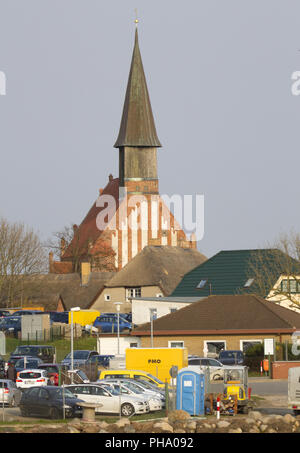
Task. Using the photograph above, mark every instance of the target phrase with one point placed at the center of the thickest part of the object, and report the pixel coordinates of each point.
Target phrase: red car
(52, 370)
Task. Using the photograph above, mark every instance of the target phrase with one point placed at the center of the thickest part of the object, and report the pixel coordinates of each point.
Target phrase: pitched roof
(137, 124)
(161, 266)
(226, 314)
(228, 271)
(45, 289)
(88, 230)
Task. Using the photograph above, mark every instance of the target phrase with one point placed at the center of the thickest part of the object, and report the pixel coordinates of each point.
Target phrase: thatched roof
(162, 266)
(48, 289)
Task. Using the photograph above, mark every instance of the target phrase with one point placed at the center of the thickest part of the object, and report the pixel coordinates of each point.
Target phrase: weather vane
(136, 18)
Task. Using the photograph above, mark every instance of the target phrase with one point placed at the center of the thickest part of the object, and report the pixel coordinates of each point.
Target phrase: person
(11, 372)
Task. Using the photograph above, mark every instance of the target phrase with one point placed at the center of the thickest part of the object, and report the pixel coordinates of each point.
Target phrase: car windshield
(133, 387)
(25, 350)
(78, 355)
(30, 375)
(63, 392)
(30, 363)
(50, 369)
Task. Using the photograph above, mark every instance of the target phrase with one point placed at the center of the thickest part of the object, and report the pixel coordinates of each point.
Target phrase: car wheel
(54, 413)
(127, 410)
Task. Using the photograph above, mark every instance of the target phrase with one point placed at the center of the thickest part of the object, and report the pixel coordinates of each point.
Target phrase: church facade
(129, 213)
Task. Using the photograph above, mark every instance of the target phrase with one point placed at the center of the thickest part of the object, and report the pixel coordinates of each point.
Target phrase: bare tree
(267, 265)
(21, 255)
(70, 245)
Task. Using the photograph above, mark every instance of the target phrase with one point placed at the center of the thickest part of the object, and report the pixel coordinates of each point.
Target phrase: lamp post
(72, 342)
(152, 311)
(118, 305)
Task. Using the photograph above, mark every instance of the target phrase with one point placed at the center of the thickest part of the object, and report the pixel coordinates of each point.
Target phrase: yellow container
(84, 317)
(156, 361)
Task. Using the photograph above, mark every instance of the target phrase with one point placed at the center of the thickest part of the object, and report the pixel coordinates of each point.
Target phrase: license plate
(29, 382)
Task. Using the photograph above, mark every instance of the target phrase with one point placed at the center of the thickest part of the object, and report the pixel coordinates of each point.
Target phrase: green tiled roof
(228, 271)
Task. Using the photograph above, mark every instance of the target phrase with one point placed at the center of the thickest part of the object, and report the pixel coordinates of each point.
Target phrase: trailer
(294, 390)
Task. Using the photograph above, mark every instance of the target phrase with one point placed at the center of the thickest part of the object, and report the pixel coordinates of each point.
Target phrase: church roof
(137, 127)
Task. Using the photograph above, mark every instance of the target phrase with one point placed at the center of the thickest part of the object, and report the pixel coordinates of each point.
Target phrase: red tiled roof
(88, 230)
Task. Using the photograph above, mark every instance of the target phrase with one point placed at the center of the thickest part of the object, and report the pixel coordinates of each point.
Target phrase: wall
(109, 345)
(119, 295)
(195, 344)
(141, 309)
(280, 370)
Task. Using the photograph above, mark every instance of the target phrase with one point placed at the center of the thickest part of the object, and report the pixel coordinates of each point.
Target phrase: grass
(63, 346)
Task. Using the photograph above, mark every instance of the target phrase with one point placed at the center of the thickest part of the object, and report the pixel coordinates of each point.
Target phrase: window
(134, 292)
(202, 283)
(107, 297)
(172, 310)
(176, 344)
(248, 282)
(290, 286)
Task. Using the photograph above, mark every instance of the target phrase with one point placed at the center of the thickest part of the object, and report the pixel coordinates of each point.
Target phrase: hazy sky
(219, 77)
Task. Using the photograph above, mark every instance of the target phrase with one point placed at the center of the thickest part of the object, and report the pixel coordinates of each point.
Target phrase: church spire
(137, 127)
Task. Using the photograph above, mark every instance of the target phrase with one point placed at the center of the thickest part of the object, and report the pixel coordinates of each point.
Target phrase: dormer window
(202, 283)
(248, 282)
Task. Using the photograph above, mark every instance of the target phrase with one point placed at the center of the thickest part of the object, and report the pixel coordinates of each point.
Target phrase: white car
(9, 393)
(155, 403)
(216, 368)
(109, 400)
(32, 378)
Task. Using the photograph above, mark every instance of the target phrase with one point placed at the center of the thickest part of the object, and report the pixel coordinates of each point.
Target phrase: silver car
(109, 401)
(10, 395)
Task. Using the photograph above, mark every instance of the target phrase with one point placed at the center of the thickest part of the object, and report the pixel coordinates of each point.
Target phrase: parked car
(32, 378)
(52, 370)
(132, 374)
(11, 324)
(231, 357)
(109, 323)
(57, 316)
(44, 352)
(109, 400)
(27, 312)
(100, 360)
(80, 357)
(10, 395)
(27, 362)
(216, 368)
(49, 402)
(4, 313)
(2, 368)
(128, 388)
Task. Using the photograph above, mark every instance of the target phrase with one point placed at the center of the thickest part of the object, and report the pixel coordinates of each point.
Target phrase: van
(131, 374)
(44, 352)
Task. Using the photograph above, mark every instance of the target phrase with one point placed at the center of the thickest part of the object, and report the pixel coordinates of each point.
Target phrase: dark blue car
(108, 322)
(11, 324)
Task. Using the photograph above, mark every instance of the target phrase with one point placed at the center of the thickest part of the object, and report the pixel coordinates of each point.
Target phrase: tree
(70, 245)
(21, 255)
(266, 266)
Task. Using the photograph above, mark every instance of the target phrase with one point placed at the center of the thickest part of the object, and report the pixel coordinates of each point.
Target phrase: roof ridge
(268, 307)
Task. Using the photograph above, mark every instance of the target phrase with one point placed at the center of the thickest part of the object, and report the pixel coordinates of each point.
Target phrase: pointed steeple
(137, 127)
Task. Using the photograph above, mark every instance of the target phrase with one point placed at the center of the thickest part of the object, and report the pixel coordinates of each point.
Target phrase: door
(107, 402)
(187, 393)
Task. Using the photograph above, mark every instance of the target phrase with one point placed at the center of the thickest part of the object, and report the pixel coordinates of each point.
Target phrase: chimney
(51, 270)
(62, 246)
(110, 178)
(85, 273)
(75, 227)
(100, 192)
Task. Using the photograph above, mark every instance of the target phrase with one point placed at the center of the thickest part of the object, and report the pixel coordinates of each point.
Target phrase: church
(129, 213)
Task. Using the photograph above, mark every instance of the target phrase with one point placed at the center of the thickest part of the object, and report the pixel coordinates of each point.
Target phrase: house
(154, 272)
(221, 322)
(129, 213)
(269, 273)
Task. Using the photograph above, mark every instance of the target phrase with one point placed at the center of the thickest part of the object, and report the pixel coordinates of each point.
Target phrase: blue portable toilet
(190, 386)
